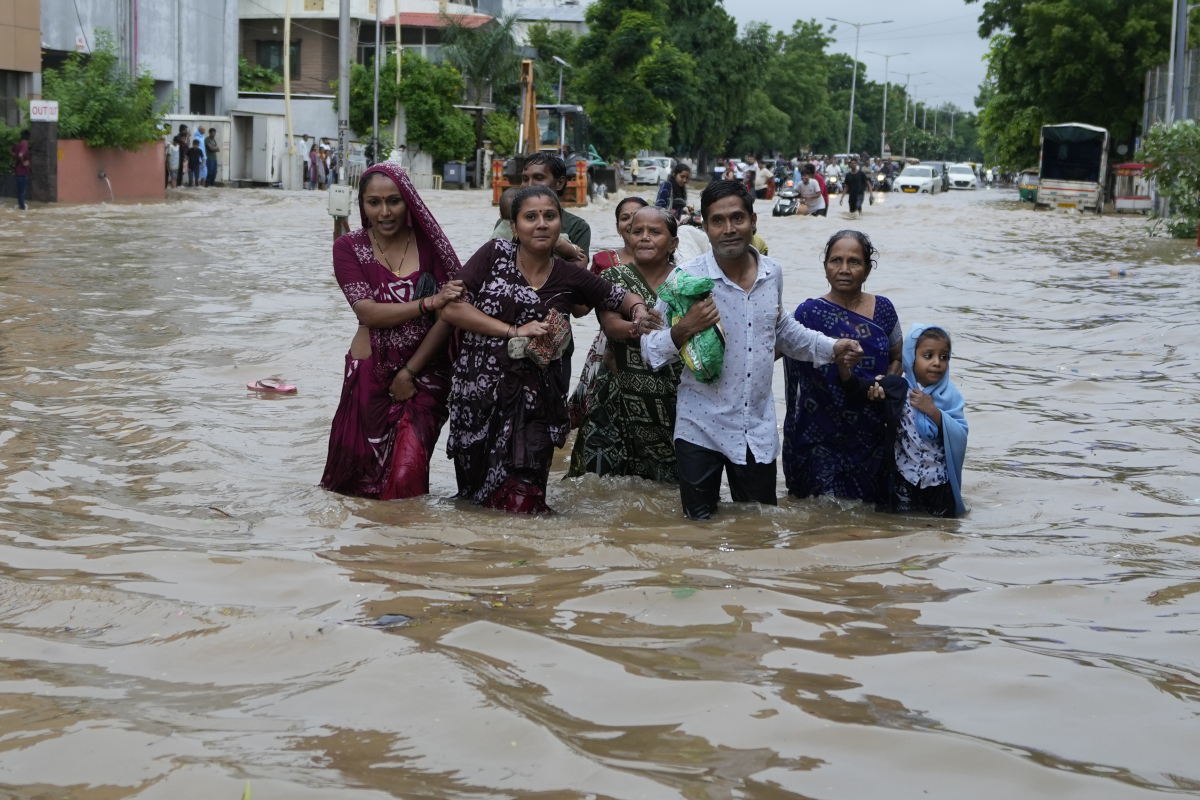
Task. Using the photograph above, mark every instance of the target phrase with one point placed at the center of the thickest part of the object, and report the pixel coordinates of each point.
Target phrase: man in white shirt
(729, 425)
(810, 190)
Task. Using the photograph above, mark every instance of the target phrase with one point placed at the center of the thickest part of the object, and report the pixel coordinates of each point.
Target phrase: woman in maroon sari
(397, 273)
(508, 410)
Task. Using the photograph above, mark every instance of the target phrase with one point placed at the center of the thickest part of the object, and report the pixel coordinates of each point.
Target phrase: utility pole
(907, 81)
(1175, 67)
(935, 116)
(924, 117)
(858, 26)
(886, 59)
(397, 137)
(375, 107)
(342, 224)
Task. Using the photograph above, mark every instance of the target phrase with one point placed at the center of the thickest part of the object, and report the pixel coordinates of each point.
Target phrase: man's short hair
(557, 167)
(212, 130)
(719, 190)
(25, 134)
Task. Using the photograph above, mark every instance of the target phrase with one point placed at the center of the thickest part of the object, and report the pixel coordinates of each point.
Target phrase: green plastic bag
(704, 353)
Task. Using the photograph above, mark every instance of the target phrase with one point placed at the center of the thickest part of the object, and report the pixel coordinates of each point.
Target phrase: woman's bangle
(408, 369)
(513, 329)
(421, 307)
(635, 305)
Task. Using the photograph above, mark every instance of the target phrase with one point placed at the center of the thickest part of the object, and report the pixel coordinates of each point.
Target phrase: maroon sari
(379, 447)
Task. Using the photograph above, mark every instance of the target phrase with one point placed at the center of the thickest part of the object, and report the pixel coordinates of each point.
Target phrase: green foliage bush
(428, 92)
(1172, 155)
(502, 130)
(8, 138)
(100, 102)
(256, 78)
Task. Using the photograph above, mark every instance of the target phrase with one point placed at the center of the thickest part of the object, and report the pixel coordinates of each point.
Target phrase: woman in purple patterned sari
(832, 443)
(508, 408)
(397, 273)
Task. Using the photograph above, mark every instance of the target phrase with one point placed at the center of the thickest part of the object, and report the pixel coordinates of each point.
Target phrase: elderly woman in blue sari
(832, 443)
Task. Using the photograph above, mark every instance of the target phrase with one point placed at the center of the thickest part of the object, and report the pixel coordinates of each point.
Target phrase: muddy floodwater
(183, 611)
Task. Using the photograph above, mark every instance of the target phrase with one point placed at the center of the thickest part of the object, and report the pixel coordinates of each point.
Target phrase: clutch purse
(541, 350)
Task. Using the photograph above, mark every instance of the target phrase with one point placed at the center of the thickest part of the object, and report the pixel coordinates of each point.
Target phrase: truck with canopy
(1073, 163)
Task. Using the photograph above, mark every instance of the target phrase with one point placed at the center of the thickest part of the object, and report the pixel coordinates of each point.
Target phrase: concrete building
(314, 48)
(561, 14)
(20, 56)
(188, 46)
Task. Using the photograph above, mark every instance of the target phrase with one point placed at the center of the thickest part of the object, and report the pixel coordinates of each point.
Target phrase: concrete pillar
(43, 158)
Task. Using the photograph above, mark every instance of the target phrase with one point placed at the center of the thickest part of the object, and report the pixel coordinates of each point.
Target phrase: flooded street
(183, 610)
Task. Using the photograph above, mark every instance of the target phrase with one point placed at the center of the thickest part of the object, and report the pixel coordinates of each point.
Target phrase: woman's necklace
(379, 247)
(521, 264)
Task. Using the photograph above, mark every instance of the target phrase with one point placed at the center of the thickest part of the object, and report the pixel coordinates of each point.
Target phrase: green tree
(486, 55)
(798, 84)
(550, 42)
(8, 138)
(628, 68)
(762, 127)
(502, 130)
(1173, 155)
(100, 102)
(256, 78)
(709, 107)
(428, 93)
(1056, 61)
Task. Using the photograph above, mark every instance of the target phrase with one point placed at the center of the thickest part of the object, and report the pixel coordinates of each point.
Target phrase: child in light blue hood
(925, 417)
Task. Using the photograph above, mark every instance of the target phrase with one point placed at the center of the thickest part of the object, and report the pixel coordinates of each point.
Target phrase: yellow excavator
(560, 129)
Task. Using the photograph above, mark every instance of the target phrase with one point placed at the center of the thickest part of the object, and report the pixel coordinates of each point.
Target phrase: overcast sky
(940, 35)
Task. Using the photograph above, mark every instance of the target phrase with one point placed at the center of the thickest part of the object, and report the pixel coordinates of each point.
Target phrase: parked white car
(652, 170)
(916, 179)
(963, 177)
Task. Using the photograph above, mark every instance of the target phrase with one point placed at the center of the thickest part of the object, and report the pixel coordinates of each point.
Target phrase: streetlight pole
(858, 26)
(886, 58)
(907, 81)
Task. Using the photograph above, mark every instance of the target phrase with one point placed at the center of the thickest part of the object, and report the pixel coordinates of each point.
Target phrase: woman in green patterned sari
(630, 421)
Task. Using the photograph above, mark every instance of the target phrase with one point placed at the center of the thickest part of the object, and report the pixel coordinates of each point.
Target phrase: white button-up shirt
(738, 410)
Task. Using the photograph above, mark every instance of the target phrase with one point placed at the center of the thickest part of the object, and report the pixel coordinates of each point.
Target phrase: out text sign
(43, 111)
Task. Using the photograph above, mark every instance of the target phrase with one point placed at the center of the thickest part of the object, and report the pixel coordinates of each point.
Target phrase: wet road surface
(182, 610)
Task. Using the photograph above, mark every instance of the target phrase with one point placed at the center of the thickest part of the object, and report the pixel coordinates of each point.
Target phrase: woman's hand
(449, 293)
(924, 403)
(847, 352)
(876, 391)
(895, 368)
(646, 319)
(533, 329)
(403, 386)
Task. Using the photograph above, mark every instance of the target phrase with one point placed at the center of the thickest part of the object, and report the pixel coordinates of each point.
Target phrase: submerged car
(918, 180)
(963, 177)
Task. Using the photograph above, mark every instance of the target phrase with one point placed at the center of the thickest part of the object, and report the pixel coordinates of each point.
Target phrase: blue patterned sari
(833, 444)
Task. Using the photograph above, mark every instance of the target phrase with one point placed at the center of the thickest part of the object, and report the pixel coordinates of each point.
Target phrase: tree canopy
(626, 70)
(1055, 61)
(428, 92)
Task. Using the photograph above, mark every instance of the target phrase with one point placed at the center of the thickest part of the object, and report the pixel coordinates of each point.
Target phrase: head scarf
(946, 397)
(430, 237)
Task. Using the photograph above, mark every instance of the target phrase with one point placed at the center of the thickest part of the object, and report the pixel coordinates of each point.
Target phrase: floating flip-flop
(271, 385)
